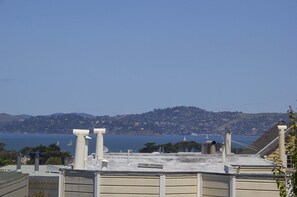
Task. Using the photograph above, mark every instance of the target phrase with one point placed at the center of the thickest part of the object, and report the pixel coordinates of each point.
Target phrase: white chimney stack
(282, 149)
(99, 142)
(228, 142)
(79, 160)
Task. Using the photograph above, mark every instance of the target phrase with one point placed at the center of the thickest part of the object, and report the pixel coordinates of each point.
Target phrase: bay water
(115, 143)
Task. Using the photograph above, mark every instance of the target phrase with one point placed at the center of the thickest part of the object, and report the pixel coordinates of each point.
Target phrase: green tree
(149, 148)
(25, 151)
(7, 157)
(2, 145)
(187, 146)
(45, 153)
(287, 179)
(54, 161)
(170, 148)
(291, 148)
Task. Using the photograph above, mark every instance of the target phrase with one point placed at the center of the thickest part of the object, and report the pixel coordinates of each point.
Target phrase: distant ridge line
(180, 120)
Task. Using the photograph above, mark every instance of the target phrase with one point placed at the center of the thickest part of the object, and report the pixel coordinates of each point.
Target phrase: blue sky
(120, 57)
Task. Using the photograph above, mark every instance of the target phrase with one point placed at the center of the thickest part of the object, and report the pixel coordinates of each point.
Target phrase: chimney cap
(105, 160)
(80, 131)
(99, 130)
(282, 126)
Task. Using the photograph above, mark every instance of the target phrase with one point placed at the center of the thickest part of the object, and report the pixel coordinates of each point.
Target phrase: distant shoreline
(115, 143)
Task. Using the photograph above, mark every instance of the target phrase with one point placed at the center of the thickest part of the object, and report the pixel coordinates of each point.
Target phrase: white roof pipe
(228, 142)
(79, 161)
(87, 139)
(223, 153)
(282, 148)
(99, 142)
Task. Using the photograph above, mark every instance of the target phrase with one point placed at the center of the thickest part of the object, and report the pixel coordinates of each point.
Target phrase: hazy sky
(119, 57)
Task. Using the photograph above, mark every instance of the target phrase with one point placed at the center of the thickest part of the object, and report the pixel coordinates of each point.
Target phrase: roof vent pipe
(79, 160)
(212, 148)
(87, 140)
(36, 166)
(228, 142)
(223, 153)
(128, 156)
(204, 148)
(66, 161)
(104, 164)
(282, 149)
(99, 142)
(19, 164)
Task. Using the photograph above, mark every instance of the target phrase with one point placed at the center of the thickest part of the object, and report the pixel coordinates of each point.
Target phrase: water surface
(115, 143)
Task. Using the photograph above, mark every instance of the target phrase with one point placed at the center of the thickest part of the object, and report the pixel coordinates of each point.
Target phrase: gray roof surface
(164, 162)
(44, 170)
(179, 162)
(267, 143)
(6, 177)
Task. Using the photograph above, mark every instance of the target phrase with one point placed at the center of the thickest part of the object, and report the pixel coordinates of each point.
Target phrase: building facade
(165, 184)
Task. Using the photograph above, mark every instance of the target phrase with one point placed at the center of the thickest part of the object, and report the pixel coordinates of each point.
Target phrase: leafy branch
(286, 179)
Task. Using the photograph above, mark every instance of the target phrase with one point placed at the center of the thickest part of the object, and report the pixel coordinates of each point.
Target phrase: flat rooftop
(148, 162)
(44, 170)
(7, 177)
(176, 162)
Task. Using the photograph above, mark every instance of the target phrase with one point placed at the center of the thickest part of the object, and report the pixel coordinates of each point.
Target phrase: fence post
(162, 185)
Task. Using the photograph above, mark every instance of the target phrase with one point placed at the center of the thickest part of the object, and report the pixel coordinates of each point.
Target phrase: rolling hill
(179, 120)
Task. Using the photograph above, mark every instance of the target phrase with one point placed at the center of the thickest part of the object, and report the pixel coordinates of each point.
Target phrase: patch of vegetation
(39, 194)
(50, 154)
(286, 179)
(7, 157)
(183, 146)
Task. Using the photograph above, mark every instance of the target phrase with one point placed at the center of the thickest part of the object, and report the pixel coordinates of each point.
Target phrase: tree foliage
(7, 157)
(183, 146)
(2, 146)
(45, 153)
(54, 161)
(292, 150)
(39, 194)
(286, 179)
